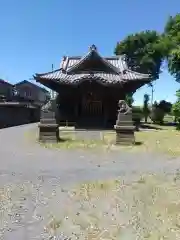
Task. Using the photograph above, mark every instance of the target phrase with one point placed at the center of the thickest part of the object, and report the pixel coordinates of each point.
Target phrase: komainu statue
(48, 127)
(124, 109)
(124, 124)
(50, 106)
(46, 107)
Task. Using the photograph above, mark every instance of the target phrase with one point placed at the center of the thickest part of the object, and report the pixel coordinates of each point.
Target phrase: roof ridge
(82, 59)
(105, 57)
(29, 82)
(112, 57)
(5, 82)
(138, 73)
(42, 74)
(73, 57)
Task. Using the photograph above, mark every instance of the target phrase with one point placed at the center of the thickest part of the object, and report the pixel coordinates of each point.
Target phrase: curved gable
(92, 61)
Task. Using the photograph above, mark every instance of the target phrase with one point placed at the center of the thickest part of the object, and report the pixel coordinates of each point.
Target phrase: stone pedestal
(48, 128)
(124, 125)
(124, 135)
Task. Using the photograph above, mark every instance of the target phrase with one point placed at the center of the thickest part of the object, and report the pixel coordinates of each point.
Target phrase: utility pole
(52, 92)
(152, 94)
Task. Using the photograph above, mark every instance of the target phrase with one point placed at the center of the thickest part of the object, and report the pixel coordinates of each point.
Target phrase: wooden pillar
(105, 116)
(105, 110)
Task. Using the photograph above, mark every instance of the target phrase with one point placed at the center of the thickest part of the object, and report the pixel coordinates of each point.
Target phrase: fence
(14, 113)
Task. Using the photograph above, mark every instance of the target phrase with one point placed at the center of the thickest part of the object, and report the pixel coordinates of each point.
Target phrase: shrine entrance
(91, 106)
(91, 110)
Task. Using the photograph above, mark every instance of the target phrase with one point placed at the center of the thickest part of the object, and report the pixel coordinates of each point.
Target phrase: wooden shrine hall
(89, 88)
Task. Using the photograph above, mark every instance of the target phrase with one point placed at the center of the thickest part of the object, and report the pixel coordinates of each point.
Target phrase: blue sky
(36, 33)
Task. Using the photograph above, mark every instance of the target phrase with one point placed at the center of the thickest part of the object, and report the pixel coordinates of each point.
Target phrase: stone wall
(14, 114)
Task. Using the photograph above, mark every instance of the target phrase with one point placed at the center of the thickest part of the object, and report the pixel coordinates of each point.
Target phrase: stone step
(48, 133)
(125, 123)
(126, 143)
(121, 135)
(125, 137)
(48, 139)
(124, 140)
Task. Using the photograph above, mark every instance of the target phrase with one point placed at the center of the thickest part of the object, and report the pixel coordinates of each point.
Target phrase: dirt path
(31, 173)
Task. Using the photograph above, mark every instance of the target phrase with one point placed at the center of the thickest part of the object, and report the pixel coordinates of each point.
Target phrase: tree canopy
(165, 106)
(129, 99)
(172, 36)
(144, 52)
(176, 109)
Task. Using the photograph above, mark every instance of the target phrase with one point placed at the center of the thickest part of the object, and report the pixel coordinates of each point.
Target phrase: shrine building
(89, 87)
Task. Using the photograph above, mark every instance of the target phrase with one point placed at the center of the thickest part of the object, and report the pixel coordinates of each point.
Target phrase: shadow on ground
(160, 127)
(138, 143)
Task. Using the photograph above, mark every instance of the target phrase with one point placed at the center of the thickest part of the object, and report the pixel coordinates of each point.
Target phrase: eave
(59, 77)
(77, 80)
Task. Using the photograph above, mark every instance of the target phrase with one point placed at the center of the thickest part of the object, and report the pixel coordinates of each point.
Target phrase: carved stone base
(49, 133)
(124, 135)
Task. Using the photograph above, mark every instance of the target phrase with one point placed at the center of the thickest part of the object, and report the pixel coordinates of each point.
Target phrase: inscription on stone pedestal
(48, 117)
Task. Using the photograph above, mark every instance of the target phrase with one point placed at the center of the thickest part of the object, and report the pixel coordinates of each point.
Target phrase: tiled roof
(5, 82)
(120, 73)
(107, 78)
(116, 61)
(91, 55)
(32, 84)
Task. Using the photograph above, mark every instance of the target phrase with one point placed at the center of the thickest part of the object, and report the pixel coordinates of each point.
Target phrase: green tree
(129, 99)
(157, 114)
(172, 38)
(165, 106)
(144, 51)
(159, 110)
(176, 108)
(146, 107)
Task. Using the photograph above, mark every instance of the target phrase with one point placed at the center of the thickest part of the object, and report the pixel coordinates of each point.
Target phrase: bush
(137, 115)
(166, 106)
(178, 125)
(157, 115)
(176, 113)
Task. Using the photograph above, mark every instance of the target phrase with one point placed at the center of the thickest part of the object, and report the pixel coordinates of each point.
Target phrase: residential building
(32, 92)
(6, 90)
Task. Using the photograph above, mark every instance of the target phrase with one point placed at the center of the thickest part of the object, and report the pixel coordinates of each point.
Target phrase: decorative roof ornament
(63, 61)
(93, 48)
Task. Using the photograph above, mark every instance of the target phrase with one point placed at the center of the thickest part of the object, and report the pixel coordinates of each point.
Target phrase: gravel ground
(34, 181)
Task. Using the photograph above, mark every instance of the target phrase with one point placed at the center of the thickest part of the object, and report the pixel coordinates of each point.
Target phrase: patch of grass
(148, 208)
(167, 119)
(69, 141)
(31, 135)
(162, 141)
(145, 209)
(73, 144)
(165, 141)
